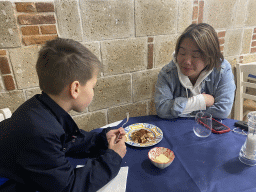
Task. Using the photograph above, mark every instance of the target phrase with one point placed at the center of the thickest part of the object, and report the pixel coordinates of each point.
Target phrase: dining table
(200, 165)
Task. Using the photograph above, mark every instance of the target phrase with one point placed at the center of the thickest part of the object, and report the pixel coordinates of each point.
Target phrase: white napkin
(118, 184)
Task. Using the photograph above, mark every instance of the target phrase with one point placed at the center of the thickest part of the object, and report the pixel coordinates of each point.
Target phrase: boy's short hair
(63, 61)
(207, 40)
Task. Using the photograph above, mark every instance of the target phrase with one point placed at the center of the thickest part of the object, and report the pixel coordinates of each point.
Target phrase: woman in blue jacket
(197, 79)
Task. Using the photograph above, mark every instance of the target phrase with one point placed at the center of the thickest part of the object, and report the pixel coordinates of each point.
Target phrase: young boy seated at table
(39, 136)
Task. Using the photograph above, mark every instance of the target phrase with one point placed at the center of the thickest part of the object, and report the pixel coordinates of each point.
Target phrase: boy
(35, 141)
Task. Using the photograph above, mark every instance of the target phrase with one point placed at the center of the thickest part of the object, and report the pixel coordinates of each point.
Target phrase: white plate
(152, 128)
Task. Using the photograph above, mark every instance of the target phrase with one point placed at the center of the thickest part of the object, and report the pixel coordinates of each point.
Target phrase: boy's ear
(74, 89)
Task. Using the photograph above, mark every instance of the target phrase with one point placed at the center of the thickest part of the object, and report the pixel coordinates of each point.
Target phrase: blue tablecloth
(200, 164)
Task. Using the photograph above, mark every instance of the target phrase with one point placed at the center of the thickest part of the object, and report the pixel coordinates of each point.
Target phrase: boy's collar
(52, 105)
(62, 116)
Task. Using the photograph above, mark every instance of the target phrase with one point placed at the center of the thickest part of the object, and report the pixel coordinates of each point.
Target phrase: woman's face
(190, 59)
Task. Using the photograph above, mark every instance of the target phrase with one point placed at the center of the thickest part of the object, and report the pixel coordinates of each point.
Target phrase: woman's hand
(209, 100)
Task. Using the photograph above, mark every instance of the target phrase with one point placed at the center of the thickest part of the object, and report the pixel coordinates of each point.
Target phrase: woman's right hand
(209, 100)
(119, 147)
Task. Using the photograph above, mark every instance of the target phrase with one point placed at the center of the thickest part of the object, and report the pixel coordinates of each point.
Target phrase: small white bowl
(155, 152)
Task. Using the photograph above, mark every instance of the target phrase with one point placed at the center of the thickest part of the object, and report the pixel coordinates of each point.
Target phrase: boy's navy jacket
(35, 142)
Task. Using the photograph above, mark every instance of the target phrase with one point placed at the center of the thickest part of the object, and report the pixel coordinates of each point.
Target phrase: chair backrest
(5, 113)
(245, 72)
(1, 117)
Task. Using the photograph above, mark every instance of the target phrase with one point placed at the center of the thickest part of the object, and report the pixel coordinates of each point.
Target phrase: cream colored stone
(249, 58)
(69, 20)
(2, 89)
(119, 113)
(124, 56)
(163, 49)
(251, 18)
(233, 42)
(246, 44)
(74, 113)
(108, 19)
(219, 14)
(185, 14)
(91, 121)
(9, 35)
(233, 60)
(94, 47)
(31, 92)
(151, 107)
(240, 13)
(12, 100)
(156, 17)
(143, 84)
(24, 61)
(111, 91)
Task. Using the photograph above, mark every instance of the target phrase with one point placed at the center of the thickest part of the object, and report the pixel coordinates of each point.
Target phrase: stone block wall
(133, 39)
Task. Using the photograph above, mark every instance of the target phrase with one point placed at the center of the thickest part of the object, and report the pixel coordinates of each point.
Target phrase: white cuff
(195, 103)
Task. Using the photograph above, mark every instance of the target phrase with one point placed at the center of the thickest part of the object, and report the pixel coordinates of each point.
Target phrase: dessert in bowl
(161, 157)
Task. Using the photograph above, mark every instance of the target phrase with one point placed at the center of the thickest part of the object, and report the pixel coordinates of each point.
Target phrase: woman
(198, 77)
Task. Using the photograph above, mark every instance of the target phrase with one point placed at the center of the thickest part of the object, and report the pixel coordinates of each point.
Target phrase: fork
(127, 119)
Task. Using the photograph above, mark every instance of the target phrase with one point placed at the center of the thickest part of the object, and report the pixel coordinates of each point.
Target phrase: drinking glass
(203, 126)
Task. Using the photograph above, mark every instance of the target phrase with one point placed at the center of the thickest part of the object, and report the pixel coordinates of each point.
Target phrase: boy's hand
(209, 100)
(119, 133)
(119, 147)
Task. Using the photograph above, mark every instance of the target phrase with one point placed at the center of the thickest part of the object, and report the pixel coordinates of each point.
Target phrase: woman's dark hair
(207, 40)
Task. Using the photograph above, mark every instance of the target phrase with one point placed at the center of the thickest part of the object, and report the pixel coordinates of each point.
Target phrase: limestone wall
(134, 39)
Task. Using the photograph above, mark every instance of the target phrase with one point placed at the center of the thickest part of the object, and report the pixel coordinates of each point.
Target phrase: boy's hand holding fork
(116, 141)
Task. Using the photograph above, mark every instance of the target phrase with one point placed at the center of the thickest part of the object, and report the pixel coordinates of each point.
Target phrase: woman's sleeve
(224, 94)
(167, 106)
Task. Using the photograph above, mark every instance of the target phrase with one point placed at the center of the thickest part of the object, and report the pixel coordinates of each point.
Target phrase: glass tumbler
(203, 126)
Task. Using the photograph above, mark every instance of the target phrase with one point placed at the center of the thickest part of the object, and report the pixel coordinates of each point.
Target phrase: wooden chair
(1, 117)
(246, 80)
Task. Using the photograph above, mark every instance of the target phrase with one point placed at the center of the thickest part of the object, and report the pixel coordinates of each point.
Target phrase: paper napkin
(118, 184)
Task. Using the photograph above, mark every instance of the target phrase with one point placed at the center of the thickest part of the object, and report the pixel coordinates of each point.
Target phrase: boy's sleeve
(44, 161)
(89, 144)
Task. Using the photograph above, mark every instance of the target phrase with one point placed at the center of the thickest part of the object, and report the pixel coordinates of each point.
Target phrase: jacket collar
(61, 115)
